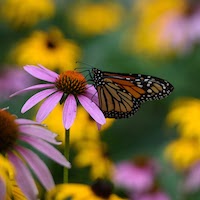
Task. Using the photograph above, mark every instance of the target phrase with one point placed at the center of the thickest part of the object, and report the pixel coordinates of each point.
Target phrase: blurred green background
(154, 37)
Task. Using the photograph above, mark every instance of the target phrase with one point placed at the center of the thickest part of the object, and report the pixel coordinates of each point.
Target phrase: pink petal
(51, 73)
(69, 111)
(35, 99)
(191, 182)
(2, 189)
(40, 73)
(38, 167)
(47, 149)
(26, 121)
(99, 126)
(39, 132)
(92, 109)
(23, 177)
(34, 87)
(48, 105)
(92, 94)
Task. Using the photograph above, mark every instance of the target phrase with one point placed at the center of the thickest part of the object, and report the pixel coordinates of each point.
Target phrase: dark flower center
(71, 82)
(102, 188)
(191, 7)
(8, 131)
(51, 44)
(141, 161)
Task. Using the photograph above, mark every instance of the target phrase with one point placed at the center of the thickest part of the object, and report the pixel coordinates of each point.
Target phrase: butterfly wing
(120, 95)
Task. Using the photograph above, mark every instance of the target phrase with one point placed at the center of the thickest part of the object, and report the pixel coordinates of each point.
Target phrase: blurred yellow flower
(76, 192)
(20, 13)
(96, 18)
(146, 37)
(7, 175)
(83, 128)
(95, 155)
(50, 49)
(17, 194)
(185, 113)
(183, 153)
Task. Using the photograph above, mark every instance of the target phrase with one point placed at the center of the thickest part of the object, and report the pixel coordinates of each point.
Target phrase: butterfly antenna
(85, 64)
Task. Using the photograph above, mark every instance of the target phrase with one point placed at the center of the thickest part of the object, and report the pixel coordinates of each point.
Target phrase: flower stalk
(66, 154)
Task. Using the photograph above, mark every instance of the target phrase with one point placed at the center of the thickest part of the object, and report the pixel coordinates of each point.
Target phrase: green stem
(66, 154)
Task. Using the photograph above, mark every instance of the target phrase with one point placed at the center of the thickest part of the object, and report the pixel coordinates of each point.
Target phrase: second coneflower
(64, 88)
(17, 138)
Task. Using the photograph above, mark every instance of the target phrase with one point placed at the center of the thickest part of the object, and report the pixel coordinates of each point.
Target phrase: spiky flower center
(8, 131)
(71, 82)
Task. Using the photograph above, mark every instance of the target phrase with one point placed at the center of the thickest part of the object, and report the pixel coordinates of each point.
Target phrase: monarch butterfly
(120, 95)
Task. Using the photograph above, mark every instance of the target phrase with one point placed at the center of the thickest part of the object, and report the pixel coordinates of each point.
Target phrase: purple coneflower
(65, 87)
(9, 85)
(152, 195)
(135, 176)
(182, 30)
(16, 132)
(192, 179)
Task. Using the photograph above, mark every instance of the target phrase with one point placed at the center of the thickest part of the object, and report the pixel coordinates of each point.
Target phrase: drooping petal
(35, 99)
(22, 121)
(2, 189)
(92, 109)
(38, 167)
(51, 73)
(47, 149)
(99, 126)
(69, 111)
(92, 94)
(40, 73)
(23, 177)
(48, 105)
(39, 132)
(34, 87)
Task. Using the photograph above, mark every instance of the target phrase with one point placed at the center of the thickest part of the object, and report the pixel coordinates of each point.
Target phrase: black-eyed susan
(8, 187)
(185, 114)
(27, 13)
(94, 154)
(148, 36)
(182, 153)
(100, 190)
(50, 49)
(6, 174)
(96, 18)
(14, 133)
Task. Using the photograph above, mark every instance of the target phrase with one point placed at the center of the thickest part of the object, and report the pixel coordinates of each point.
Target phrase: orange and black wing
(120, 95)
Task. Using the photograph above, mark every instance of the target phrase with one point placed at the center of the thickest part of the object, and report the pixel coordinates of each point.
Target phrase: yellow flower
(76, 192)
(83, 128)
(7, 175)
(50, 49)
(17, 194)
(185, 113)
(21, 13)
(95, 155)
(96, 18)
(146, 36)
(183, 153)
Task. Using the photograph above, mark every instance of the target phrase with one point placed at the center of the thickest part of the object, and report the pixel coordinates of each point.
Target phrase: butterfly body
(120, 95)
